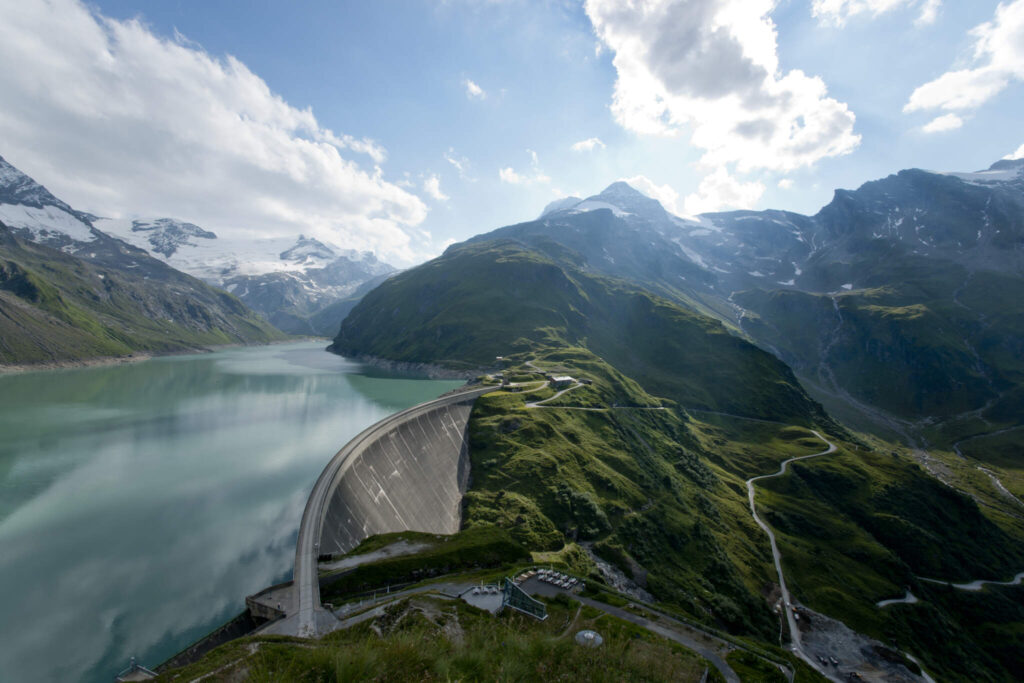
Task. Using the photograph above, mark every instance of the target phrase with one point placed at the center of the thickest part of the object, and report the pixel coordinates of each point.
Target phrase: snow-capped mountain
(620, 198)
(286, 279)
(165, 236)
(967, 218)
(69, 291)
(32, 212)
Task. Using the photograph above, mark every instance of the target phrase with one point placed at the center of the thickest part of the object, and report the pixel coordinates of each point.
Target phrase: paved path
(703, 649)
(672, 634)
(908, 599)
(979, 584)
(376, 607)
(540, 404)
(794, 632)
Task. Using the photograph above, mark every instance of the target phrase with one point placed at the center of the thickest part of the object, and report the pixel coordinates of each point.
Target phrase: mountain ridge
(70, 292)
(290, 281)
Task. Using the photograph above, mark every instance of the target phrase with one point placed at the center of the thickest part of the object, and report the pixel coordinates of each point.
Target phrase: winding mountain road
(794, 631)
(979, 584)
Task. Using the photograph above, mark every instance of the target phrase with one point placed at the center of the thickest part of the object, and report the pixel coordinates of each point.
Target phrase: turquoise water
(140, 504)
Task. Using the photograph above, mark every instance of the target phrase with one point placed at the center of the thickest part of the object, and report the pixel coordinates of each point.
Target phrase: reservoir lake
(140, 503)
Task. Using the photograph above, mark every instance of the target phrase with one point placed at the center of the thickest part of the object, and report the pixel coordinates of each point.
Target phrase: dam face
(406, 473)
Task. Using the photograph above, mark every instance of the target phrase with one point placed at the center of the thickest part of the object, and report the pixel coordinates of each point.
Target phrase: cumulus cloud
(432, 186)
(1019, 154)
(474, 91)
(943, 123)
(838, 11)
(785, 184)
(668, 197)
(588, 145)
(720, 190)
(119, 121)
(997, 61)
(929, 12)
(509, 175)
(535, 175)
(712, 66)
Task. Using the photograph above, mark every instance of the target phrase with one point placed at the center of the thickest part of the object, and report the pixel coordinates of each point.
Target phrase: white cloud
(474, 91)
(588, 145)
(119, 121)
(720, 190)
(508, 175)
(997, 60)
(929, 12)
(786, 184)
(711, 68)
(1019, 154)
(460, 163)
(432, 186)
(668, 197)
(838, 11)
(536, 175)
(943, 123)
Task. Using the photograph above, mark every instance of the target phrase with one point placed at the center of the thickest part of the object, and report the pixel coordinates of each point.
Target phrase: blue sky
(402, 126)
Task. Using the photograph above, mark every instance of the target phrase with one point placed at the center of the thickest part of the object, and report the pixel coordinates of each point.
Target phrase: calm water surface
(140, 504)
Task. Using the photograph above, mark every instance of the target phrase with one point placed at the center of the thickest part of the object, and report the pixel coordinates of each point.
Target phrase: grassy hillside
(940, 341)
(646, 467)
(482, 300)
(56, 307)
(660, 494)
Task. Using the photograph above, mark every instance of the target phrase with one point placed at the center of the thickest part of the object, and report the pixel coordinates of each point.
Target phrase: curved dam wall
(408, 472)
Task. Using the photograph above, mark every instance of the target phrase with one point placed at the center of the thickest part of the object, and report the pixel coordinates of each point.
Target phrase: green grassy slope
(865, 526)
(660, 494)
(482, 300)
(56, 307)
(653, 479)
(940, 342)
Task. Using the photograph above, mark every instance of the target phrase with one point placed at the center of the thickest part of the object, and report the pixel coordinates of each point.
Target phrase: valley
(648, 420)
(590, 340)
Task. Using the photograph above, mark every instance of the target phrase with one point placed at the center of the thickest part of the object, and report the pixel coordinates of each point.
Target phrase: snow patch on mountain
(562, 204)
(691, 254)
(620, 198)
(166, 235)
(29, 208)
(309, 250)
(201, 253)
(594, 205)
(46, 223)
(1004, 171)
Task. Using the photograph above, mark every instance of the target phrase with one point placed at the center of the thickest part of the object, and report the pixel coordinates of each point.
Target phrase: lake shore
(104, 361)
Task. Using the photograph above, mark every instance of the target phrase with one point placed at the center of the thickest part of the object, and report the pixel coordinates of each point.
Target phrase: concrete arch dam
(405, 473)
(408, 472)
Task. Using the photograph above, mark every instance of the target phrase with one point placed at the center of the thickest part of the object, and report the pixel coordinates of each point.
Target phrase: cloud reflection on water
(141, 513)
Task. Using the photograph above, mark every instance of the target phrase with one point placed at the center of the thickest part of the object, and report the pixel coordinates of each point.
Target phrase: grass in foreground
(429, 639)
